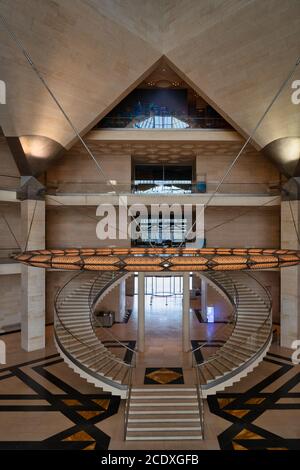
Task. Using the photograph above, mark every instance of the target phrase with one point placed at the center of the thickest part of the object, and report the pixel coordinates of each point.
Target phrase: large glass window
(163, 230)
(163, 179)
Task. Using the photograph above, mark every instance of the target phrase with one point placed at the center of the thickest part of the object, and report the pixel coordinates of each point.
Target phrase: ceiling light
(160, 259)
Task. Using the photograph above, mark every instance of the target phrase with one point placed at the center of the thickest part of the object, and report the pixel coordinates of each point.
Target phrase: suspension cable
(294, 222)
(55, 99)
(75, 209)
(57, 102)
(30, 227)
(251, 209)
(10, 176)
(233, 163)
(99, 167)
(10, 230)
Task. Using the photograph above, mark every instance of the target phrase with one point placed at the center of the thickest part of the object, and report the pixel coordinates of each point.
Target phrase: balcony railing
(162, 122)
(163, 187)
(153, 187)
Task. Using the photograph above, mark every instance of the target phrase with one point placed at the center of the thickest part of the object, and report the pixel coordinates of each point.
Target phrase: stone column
(290, 277)
(203, 299)
(115, 301)
(186, 342)
(33, 279)
(141, 312)
(122, 300)
(1, 322)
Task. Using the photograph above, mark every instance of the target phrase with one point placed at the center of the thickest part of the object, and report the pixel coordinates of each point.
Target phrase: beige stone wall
(12, 213)
(259, 227)
(251, 174)
(10, 300)
(77, 172)
(88, 58)
(222, 307)
(114, 301)
(236, 54)
(7, 167)
(75, 227)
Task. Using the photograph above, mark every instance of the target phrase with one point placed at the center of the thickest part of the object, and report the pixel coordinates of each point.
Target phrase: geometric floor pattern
(44, 405)
(265, 415)
(76, 414)
(163, 375)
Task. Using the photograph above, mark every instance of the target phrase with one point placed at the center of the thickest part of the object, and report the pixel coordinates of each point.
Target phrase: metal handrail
(234, 302)
(58, 317)
(92, 348)
(127, 404)
(198, 367)
(200, 399)
(254, 333)
(92, 304)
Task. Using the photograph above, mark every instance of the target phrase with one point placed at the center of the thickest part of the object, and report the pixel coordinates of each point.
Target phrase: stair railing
(60, 299)
(267, 299)
(200, 400)
(97, 289)
(127, 404)
(233, 297)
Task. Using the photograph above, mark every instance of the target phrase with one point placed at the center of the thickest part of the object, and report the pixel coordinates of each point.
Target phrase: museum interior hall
(150, 225)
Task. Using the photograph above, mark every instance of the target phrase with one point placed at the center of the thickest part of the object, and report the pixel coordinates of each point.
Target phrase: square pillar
(186, 340)
(141, 312)
(33, 279)
(290, 277)
(204, 299)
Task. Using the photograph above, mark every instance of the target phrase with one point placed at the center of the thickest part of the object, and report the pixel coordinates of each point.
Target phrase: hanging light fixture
(160, 259)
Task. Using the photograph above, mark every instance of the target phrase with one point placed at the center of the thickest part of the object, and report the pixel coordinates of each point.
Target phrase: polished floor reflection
(44, 404)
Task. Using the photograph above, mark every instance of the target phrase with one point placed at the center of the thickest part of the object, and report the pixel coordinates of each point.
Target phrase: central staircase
(163, 413)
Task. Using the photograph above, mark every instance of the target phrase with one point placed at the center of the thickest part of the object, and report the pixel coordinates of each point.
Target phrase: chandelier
(160, 259)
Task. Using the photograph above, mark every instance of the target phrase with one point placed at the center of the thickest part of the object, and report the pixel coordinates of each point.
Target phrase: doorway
(163, 320)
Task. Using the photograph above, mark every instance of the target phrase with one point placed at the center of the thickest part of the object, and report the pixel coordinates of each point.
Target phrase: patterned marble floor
(45, 405)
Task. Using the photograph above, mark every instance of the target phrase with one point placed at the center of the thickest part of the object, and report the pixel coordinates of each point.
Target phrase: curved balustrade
(249, 340)
(77, 339)
(97, 292)
(80, 336)
(232, 296)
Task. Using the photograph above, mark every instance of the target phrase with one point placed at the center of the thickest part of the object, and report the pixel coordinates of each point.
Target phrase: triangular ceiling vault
(235, 56)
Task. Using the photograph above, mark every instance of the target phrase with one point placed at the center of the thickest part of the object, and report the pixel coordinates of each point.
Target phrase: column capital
(31, 188)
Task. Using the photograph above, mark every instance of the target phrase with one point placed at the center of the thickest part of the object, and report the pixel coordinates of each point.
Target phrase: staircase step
(165, 404)
(163, 437)
(163, 428)
(163, 420)
(161, 397)
(154, 388)
(165, 412)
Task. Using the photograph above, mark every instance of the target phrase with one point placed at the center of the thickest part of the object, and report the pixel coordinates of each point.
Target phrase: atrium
(150, 225)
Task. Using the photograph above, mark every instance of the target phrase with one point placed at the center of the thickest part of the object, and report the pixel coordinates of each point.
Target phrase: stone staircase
(76, 338)
(251, 335)
(163, 413)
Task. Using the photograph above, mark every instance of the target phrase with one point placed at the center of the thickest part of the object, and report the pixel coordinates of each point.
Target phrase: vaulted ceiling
(234, 53)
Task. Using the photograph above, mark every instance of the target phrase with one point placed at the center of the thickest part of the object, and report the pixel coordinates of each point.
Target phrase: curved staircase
(76, 338)
(82, 349)
(250, 337)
